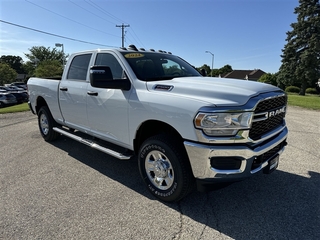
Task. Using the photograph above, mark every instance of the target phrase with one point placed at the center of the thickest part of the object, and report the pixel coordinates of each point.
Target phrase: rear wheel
(46, 124)
(165, 168)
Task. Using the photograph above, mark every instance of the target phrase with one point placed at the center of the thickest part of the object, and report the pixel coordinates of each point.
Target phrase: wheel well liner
(151, 128)
(40, 103)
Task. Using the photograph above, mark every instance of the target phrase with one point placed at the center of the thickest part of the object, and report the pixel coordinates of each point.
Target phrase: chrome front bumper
(200, 155)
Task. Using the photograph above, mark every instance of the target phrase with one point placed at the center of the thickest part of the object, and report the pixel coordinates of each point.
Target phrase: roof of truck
(130, 49)
(134, 48)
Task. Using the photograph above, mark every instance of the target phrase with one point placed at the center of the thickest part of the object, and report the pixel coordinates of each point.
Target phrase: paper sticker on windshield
(133, 55)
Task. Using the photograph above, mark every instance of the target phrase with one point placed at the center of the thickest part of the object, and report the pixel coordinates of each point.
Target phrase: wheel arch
(152, 128)
(40, 103)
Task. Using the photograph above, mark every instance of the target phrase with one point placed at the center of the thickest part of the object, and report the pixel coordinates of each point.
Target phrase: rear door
(73, 92)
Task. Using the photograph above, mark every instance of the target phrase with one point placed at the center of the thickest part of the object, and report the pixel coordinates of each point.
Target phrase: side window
(79, 67)
(107, 59)
(171, 68)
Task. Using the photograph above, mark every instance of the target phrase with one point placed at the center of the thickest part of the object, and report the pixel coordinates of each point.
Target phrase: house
(252, 75)
(21, 77)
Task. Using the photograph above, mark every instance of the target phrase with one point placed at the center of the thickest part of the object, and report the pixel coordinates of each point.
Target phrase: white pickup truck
(186, 130)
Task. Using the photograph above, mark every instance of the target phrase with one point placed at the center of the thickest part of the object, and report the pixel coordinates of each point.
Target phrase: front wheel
(46, 124)
(165, 168)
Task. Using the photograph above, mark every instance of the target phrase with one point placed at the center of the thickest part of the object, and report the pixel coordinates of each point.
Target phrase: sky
(246, 34)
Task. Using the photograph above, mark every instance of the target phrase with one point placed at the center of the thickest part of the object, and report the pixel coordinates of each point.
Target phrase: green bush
(292, 89)
(311, 91)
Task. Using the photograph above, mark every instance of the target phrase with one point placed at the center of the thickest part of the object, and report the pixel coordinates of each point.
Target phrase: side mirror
(101, 77)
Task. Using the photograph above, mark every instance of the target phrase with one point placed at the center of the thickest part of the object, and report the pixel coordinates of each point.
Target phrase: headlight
(223, 124)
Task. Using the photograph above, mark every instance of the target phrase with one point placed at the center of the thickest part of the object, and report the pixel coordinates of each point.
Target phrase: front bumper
(251, 159)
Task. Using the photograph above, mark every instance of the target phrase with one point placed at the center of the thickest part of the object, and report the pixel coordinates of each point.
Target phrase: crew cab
(184, 130)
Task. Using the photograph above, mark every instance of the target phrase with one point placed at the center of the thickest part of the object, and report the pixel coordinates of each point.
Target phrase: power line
(70, 19)
(104, 11)
(134, 35)
(56, 35)
(94, 5)
(136, 39)
(90, 12)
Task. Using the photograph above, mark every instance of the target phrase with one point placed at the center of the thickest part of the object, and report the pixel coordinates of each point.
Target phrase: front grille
(270, 104)
(260, 128)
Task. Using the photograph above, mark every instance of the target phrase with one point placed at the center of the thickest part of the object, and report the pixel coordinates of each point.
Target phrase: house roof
(245, 74)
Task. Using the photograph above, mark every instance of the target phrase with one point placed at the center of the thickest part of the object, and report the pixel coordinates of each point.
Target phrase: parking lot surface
(66, 190)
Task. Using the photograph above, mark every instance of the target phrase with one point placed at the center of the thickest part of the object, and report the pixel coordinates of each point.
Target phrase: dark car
(16, 89)
(12, 88)
(19, 85)
(5, 88)
(21, 96)
(7, 99)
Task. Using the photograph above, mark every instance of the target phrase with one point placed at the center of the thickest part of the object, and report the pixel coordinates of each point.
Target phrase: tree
(41, 53)
(7, 74)
(38, 54)
(301, 55)
(216, 72)
(49, 68)
(225, 69)
(14, 62)
(206, 68)
(29, 68)
(269, 78)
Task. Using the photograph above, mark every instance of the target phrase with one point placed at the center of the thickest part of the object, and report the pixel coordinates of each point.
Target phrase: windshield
(151, 66)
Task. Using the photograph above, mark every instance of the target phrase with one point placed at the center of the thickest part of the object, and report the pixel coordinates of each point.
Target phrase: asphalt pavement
(66, 190)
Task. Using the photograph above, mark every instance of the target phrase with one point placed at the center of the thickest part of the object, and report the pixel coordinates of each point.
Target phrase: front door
(107, 109)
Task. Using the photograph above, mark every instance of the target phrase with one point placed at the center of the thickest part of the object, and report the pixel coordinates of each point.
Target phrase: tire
(165, 168)
(46, 124)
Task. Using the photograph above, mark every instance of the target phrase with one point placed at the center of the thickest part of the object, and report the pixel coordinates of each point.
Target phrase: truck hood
(217, 91)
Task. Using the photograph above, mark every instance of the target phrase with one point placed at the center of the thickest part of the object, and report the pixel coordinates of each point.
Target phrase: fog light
(226, 163)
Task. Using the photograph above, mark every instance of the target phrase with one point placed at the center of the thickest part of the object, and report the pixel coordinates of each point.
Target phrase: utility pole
(123, 27)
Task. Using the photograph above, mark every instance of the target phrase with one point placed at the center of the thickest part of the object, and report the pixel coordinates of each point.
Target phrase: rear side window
(79, 67)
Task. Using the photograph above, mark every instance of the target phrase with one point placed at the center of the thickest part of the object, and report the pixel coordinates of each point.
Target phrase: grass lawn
(307, 101)
(16, 108)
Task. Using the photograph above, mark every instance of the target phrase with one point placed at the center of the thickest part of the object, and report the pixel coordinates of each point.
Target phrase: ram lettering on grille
(268, 115)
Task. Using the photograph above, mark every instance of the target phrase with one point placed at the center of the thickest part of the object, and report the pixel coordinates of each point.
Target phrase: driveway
(66, 190)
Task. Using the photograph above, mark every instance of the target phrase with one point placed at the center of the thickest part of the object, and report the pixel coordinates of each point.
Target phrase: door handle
(63, 89)
(92, 93)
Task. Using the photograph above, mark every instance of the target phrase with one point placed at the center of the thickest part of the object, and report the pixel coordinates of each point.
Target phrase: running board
(93, 144)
